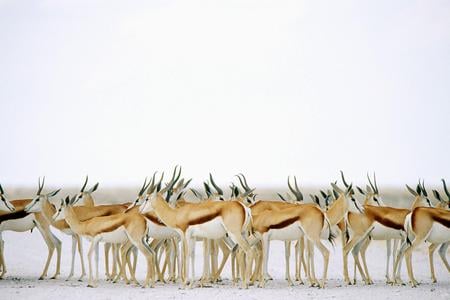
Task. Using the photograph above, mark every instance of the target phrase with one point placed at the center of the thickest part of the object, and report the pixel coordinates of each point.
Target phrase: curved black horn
(84, 184)
(40, 185)
(424, 191)
(218, 189)
(141, 191)
(375, 183)
(371, 184)
(241, 182)
(343, 179)
(445, 189)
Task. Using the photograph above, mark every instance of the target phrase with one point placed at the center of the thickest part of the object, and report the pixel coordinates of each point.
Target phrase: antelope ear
(94, 188)
(67, 200)
(411, 190)
(51, 194)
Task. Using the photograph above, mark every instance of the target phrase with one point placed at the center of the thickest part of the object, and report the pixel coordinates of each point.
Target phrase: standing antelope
(377, 220)
(212, 220)
(116, 228)
(22, 220)
(424, 224)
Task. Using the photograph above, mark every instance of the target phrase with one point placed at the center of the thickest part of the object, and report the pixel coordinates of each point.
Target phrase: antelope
(444, 204)
(22, 220)
(6, 208)
(372, 197)
(116, 228)
(269, 205)
(48, 210)
(291, 223)
(430, 224)
(211, 219)
(380, 221)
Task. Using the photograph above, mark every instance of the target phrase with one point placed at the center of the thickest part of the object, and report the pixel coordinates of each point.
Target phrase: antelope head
(442, 202)
(65, 203)
(349, 192)
(36, 204)
(346, 195)
(142, 195)
(420, 195)
(83, 192)
(5, 205)
(247, 196)
(156, 193)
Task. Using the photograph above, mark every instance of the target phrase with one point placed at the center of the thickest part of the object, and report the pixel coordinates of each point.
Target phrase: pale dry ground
(25, 255)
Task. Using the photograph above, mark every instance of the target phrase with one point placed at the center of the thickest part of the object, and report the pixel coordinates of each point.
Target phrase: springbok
(381, 221)
(430, 224)
(116, 228)
(444, 204)
(22, 220)
(291, 223)
(211, 220)
(372, 197)
(48, 210)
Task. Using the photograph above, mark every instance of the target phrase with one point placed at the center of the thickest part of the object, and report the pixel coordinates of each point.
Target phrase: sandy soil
(26, 253)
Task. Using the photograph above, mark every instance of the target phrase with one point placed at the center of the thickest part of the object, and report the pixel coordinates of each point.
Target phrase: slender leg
(326, 255)
(2, 258)
(265, 246)
(80, 251)
(287, 254)
(94, 244)
(226, 253)
(431, 250)
(96, 260)
(72, 265)
(44, 230)
(408, 258)
(442, 254)
(107, 247)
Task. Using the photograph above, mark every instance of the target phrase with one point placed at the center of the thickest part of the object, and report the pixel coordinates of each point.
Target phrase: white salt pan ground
(25, 255)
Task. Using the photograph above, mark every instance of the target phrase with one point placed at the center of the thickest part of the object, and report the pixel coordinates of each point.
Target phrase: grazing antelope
(116, 228)
(211, 220)
(22, 220)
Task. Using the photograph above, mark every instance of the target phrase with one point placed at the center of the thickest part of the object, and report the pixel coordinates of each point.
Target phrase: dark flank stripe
(284, 223)
(14, 215)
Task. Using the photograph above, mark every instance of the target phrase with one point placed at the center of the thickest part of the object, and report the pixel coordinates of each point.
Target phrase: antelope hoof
(433, 280)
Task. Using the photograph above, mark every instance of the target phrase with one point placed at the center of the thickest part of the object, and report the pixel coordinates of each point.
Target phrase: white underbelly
(160, 232)
(439, 234)
(213, 229)
(288, 233)
(381, 232)
(67, 231)
(116, 236)
(19, 225)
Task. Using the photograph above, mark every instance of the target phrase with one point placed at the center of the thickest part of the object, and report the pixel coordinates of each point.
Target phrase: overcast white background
(119, 89)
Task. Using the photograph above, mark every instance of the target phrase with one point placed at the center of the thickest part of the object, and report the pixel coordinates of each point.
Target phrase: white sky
(268, 88)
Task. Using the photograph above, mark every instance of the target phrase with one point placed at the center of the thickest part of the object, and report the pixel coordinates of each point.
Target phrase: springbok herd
(163, 226)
